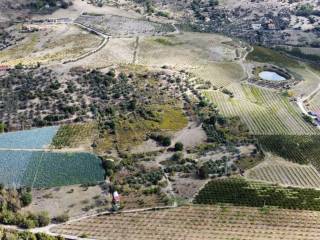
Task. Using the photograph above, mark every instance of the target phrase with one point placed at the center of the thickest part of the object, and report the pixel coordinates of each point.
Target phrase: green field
(74, 135)
(42, 169)
(49, 169)
(255, 194)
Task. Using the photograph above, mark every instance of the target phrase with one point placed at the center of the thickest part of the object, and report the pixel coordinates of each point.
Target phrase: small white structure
(256, 26)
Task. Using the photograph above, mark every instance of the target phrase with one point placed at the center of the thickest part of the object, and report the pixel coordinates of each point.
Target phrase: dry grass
(54, 44)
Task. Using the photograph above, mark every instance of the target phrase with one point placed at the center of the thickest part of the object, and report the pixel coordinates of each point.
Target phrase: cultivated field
(243, 192)
(265, 111)
(300, 149)
(23, 163)
(37, 138)
(48, 169)
(200, 223)
(75, 135)
(285, 173)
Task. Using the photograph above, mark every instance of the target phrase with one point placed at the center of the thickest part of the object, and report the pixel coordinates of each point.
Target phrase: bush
(61, 218)
(26, 198)
(203, 172)
(162, 140)
(166, 141)
(108, 166)
(43, 219)
(178, 146)
(177, 156)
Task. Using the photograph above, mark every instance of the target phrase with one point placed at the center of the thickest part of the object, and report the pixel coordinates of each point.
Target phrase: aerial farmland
(148, 120)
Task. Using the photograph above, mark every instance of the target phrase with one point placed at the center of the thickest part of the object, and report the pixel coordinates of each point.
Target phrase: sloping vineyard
(199, 222)
(264, 111)
(285, 173)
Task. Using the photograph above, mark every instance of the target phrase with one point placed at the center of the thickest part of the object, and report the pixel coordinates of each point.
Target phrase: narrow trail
(242, 63)
(301, 100)
(135, 53)
(103, 43)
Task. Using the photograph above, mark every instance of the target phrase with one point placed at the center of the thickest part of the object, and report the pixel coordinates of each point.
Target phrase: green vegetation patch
(249, 193)
(265, 55)
(135, 129)
(172, 118)
(303, 149)
(74, 134)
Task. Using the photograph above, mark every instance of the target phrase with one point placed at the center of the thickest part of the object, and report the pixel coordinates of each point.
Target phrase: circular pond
(271, 76)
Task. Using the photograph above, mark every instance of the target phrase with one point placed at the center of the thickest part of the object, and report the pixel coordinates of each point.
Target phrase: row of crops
(239, 191)
(29, 139)
(72, 135)
(303, 149)
(194, 222)
(288, 174)
(264, 111)
(42, 169)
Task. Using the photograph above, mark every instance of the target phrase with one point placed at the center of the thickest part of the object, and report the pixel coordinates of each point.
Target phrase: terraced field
(285, 173)
(200, 222)
(264, 111)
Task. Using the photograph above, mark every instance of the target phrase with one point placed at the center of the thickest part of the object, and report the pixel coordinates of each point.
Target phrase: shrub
(108, 166)
(203, 172)
(178, 146)
(177, 156)
(43, 219)
(162, 140)
(61, 218)
(26, 198)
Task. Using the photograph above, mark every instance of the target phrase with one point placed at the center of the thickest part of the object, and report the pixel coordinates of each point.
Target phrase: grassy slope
(265, 55)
